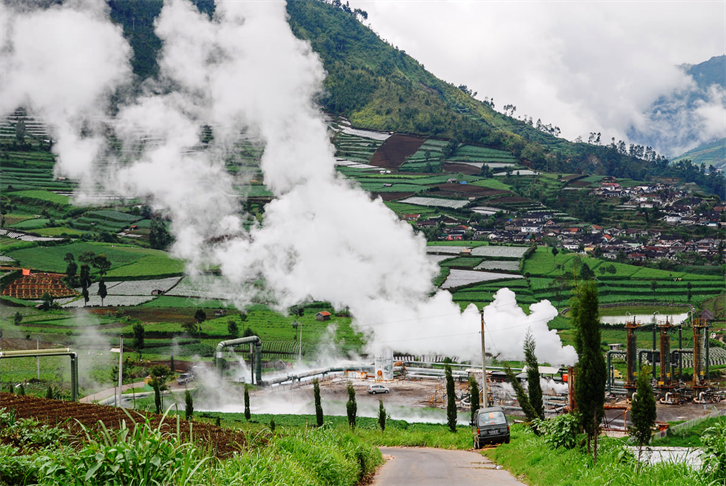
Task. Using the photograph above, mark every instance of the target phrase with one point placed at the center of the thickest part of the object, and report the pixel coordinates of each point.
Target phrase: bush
(714, 451)
(560, 431)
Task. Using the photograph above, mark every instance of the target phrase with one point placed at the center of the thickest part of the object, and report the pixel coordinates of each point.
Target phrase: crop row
(72, 415)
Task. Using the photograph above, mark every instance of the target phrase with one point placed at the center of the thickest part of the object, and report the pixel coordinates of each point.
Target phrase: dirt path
(434, 467)
(108, 393)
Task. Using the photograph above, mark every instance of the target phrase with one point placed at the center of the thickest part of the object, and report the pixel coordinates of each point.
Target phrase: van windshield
(492, 418)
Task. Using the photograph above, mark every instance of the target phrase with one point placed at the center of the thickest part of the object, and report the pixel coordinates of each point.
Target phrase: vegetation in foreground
(532, 459)
(145, 455)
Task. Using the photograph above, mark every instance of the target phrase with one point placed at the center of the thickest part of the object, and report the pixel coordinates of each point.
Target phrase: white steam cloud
(244, 72)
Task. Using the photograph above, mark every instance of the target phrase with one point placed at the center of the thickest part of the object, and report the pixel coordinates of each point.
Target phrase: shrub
(714, 451)
(560, 431)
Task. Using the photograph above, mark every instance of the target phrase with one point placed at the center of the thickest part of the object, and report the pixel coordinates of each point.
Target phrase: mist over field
(241, 71)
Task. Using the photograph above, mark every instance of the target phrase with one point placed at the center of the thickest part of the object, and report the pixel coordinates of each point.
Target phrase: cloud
(63, 63)
(583, 66)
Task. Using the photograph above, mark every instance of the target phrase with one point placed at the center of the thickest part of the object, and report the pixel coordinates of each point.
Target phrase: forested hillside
(378, 86)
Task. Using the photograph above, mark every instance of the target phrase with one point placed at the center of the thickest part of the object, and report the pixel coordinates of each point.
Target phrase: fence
(677, 429)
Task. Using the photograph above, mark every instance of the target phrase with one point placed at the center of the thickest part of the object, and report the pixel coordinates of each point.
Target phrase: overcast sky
(581, 65)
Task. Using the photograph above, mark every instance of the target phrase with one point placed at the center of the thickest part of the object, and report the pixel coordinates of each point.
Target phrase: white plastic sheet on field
(449, 250)
(435, 202)
(459, 278)
(438, 258)
(508, 266)
(500, 251)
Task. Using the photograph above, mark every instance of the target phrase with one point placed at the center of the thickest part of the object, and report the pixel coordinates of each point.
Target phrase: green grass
(154, 264)
(31, 224)
(493, 184)
(529, 457)
(45, 196)
(126, 260)
(146, 455)
(185, 302)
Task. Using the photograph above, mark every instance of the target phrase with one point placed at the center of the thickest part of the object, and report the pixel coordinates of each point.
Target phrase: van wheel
(506, 441)
(386, 391)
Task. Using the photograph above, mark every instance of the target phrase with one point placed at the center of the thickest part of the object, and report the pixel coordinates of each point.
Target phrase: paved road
(103, 395)
(434, 467)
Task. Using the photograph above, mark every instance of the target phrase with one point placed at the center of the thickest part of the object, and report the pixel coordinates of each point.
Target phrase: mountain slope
(378, 86)
(713, 153)
(687, 118)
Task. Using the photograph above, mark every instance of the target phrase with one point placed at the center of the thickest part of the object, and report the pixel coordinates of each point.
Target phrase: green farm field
(126, 260)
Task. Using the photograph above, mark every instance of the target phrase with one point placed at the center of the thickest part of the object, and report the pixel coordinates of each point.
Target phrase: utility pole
(37, 358)
(483, 361)
(120, 370)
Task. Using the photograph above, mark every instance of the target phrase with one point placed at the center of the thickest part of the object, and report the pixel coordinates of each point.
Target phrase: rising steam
(243, 72)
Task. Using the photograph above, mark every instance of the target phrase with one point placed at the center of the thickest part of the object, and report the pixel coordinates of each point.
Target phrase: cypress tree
(189, 405)
(522, 397)
(272, 425)
(157, 393)
(102, 291)
(21, 390)
(642, 411)
(451, 399)
(381, 415)
(351, 407)
(534, 388)
(318, 406)
(591, 369)
(474, 396)
(49, 392)
(247, 402)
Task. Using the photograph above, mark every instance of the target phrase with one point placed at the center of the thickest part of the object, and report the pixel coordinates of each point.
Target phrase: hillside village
(671, 208)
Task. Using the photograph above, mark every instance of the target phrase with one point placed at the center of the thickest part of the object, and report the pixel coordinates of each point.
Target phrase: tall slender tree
(85, 281)
(381, 415)
(318, 406)
(102, 291)
(534, 390)
(450, 399)
(591, 370)
(247, 402)
(351, 407)
(71, 269)
(522, 397)
(139, 333)
(474, 396)
(189, 402)
(642, 412)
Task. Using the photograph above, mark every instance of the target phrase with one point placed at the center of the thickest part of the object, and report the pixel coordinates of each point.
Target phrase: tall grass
(144, 455)
(527, 455)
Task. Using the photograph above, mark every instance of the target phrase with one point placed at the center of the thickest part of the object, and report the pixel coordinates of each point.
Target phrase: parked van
(490, 427)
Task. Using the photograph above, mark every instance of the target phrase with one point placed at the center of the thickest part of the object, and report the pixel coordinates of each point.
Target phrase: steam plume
(322, 237)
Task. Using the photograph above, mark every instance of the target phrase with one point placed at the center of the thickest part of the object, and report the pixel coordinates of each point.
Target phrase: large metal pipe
(707, 343)
(256, 370)
(611, 378)
(50, 352)
(665, 354)
(697, 350)
(680, 357)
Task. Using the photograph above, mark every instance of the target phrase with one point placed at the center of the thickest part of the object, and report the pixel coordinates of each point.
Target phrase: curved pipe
(50, 352)
(256, 355)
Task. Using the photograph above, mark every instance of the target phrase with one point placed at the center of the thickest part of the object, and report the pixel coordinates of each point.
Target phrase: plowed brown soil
(71, 415)
(394, 151)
